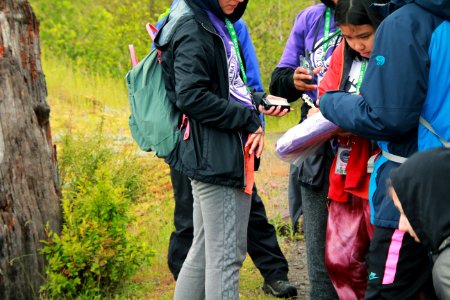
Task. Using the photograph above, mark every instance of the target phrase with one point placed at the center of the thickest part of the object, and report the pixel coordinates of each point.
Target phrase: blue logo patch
(380, 60)
(373, 276)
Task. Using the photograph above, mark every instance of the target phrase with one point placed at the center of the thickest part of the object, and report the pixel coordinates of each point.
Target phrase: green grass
(80, 101)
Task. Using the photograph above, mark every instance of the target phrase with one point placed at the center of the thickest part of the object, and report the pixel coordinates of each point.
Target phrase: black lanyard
(326, 33)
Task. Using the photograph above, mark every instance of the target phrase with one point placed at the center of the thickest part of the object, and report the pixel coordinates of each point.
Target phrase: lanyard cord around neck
(362, 71)
(326, 32)
(326, 39)
(234, 39)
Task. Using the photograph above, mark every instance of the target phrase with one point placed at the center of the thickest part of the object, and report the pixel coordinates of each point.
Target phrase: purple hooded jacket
(307, 33)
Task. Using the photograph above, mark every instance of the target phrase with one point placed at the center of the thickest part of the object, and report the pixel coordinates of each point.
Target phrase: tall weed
(95, 252)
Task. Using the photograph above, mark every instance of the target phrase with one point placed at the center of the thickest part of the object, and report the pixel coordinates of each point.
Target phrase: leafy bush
(82, 156)
(95, 252)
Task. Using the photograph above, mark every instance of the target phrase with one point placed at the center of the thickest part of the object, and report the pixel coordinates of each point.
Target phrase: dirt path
(298, 273)
(272, 183)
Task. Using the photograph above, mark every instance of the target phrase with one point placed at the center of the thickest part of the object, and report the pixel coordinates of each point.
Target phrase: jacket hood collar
(422, 184)
(214, 7)
(179, 10)
(438, 7)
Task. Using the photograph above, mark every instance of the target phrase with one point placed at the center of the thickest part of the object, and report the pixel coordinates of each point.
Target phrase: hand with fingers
(275, 110)
(301, 78)
(256, 142)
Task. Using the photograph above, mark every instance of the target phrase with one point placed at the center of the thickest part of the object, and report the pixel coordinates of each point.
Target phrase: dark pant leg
(262, 243)
(181, 237)
(315, 213)
(294, 195)
(399, 267)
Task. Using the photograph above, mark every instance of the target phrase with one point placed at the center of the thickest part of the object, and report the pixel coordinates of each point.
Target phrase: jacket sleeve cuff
(254, 124)
(257, 97)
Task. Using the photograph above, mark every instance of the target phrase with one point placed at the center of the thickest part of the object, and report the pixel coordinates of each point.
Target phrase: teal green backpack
(154, 119)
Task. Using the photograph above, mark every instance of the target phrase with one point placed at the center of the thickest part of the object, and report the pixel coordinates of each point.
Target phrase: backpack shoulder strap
(400, 159)
(134, 60)
(430, 128)
(392, 157)
(152, 30)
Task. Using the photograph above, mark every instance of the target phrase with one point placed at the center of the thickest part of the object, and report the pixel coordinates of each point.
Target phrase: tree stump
(29, 185)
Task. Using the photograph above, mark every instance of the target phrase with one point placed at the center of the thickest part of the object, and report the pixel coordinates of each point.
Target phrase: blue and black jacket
(195, 71)
(408, 77)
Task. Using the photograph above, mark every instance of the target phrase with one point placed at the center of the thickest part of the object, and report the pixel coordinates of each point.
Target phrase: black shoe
(280, 289)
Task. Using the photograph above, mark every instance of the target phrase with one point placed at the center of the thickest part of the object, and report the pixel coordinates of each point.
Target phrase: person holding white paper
(348, 229)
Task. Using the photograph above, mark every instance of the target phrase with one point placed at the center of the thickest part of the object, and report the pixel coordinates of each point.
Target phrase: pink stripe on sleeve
(393, 255)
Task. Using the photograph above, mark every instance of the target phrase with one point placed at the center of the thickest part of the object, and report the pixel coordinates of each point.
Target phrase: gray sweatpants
(211, 269)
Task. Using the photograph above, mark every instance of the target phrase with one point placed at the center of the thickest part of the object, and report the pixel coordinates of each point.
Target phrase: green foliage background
(96, 34)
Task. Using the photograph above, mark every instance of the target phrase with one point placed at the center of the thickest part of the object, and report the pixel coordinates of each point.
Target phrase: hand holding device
(305, 62)
(269, 101)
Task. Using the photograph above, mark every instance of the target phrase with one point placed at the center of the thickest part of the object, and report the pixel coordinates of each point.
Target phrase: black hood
(422, 184)
(328, 3)
(214, 7)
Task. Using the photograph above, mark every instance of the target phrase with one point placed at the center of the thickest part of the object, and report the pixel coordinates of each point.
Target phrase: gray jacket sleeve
(441, 275)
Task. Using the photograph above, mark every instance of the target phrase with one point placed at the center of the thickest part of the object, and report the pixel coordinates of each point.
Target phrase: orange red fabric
(249, 164)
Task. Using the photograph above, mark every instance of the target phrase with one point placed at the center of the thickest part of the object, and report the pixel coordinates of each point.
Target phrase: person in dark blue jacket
(262, 244)
(404, 105)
